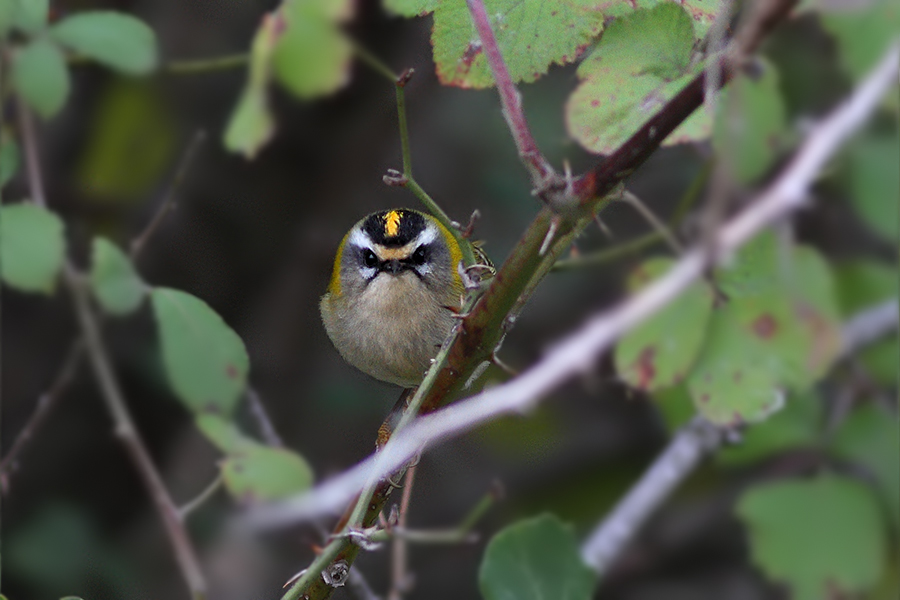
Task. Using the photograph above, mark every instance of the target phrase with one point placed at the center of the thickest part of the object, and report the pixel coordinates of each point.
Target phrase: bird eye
(419, 256)
(369, 259)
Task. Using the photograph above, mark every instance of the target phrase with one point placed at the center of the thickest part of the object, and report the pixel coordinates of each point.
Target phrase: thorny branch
(578, 352)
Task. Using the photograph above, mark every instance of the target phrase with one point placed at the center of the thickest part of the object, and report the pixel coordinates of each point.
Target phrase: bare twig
(539, 167)
(32, 158)
(867, 326)
(400, 579)
(45, 403)
(578, 352)
(168, 202)
(258, 410)
(661, 228)
(190, 506)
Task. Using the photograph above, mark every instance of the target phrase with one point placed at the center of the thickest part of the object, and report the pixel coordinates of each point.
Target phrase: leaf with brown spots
(258, 473)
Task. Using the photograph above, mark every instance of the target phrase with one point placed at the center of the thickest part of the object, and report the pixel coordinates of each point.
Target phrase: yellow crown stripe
(392, 223)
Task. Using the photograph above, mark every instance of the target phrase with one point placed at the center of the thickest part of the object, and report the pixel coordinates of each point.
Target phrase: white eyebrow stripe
(360, 239)
(428, 235)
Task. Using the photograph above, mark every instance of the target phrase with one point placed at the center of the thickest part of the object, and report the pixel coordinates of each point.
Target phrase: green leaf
(531, 35)
(861, 285)
(410, 8)
(119, 41)
(312, 56)
(642, 61)
(222, 432)
(703, 12)
(251, 125)
(871, 183)
(751, 124)
(779, 329)
(823, 537)
(116, 285)
(31, 15)
(871, 437)
(659, 352)
(9, 158)
(7, 15)
(259, 473)
(798, 425)
(205, 361)
(535, 559)
(132, 140)
(32, 247)
(40, 75)
(863, 32)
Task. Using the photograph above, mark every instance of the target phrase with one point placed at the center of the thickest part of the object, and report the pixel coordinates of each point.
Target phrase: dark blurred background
(255, 240)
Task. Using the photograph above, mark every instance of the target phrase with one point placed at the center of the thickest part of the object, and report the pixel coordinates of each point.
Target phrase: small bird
(393, 294)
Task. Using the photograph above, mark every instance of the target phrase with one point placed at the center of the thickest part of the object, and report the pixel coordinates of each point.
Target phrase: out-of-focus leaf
(132, 140)
(222, 432)
(861, 285)
(863, 31)
(32, 247)
(872, 184)
(675, 405)
(797, 425)
(531, 35)
(535, 559)
(205, 360)
(822, 537)
(871, 437)
(251, 125)
(9, 158)
(257, 473)
(312, 56)
(659, 352)
(40, 75)
(119, 41)
(7, 15)
(410, 8)
(778, 330)
(116, 285)
(751, 124)
(641, 62)
(31, 15)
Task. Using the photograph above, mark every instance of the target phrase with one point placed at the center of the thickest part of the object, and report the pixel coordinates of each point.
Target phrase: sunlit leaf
(117, 40)
(256, 473)
(535, 559)
(32, 247)
(642, 61)
(114, 282)
(822, 537)
(40, 75)
(659, 352)
(205, 360)
(531, 35)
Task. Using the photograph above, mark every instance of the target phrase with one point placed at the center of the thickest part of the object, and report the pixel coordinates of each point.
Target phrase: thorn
(405, 76)
(551, 233)
(395, 178)
(603, 227)
(476, 214)
(503, 366)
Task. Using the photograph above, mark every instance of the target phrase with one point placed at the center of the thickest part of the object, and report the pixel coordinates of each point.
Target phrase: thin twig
(45, 403)
(32, 158)
(400, 578)
(578, 352)
(190, 506)
(654, 221)
(258, 410)
(539, 167)
(207, 65)
(168, 202)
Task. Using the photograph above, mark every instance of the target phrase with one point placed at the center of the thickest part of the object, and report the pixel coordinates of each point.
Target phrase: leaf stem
(207, 65)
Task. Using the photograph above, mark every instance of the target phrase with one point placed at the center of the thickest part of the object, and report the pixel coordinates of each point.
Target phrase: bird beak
(393, 266)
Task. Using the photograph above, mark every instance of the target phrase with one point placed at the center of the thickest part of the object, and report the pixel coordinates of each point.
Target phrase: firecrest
(393, 293)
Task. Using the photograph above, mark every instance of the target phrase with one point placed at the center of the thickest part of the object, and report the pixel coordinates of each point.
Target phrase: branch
(540, 169)
(578, 352)
(691, 444)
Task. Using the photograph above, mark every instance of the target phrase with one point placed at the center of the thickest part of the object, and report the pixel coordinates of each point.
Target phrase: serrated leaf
(535, 559)
(258, 473)
(863, 32)
(9, 158)
(40, 75)
(30, 16)
(115, 284)
(779, 329)
(205, 360)
(703, 12)
(132, 139)
(641, 62)
(251, 125)
(872, 184)
(822, 537)
(751, 124)
(119, 41)
(659, 352)
(312, 56)
(32, 247)
(870, 437)
(410, 8)
(531, 35)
